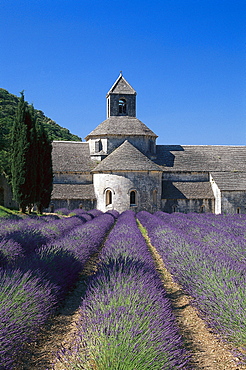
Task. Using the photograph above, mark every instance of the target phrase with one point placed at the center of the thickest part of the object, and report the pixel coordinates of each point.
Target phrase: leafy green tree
(24, 158)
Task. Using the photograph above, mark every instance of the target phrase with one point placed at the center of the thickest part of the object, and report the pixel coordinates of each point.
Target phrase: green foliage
(31, 161)
(44, 184)
(23, 155)
(8, 109)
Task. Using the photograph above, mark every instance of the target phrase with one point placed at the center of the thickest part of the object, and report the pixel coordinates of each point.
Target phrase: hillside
(8, 105)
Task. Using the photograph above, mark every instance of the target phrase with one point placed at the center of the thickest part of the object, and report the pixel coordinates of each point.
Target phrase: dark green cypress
(23, 158)
(45, 172)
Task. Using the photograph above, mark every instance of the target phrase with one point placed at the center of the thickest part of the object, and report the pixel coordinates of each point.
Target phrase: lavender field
(126, 319)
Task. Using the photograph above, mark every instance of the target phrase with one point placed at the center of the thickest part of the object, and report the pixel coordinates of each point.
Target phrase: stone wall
(217, 195)
(188, 205)
(185, 176)
(233, 201)
(146, 145)
(113, 104)
(71, 204)
(147, 187)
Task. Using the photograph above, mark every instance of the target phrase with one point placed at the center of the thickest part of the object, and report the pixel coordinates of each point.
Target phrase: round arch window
(108, 197)
(122, 106)
(133, 197)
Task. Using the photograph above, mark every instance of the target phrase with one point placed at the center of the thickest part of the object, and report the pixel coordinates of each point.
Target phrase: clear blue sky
(185, 58)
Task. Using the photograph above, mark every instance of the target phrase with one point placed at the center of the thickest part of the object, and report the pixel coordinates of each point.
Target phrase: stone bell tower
(121, 99)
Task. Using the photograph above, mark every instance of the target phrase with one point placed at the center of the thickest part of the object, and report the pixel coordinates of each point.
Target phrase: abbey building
(121, 167)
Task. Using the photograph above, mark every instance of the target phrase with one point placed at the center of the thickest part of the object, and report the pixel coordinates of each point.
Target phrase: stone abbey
(121, 167)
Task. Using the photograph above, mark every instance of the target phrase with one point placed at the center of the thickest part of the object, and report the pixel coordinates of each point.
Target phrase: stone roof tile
(121, 126)
(121, 86)
(126, 158)
(201, 157)
(73, 191)
(71, 156)
(187, 190)
(230, 180)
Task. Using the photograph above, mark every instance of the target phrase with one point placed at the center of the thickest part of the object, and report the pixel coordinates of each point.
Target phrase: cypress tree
(44, 172)
(23, 158)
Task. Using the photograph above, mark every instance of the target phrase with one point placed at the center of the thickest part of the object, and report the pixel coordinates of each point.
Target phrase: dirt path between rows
(207, 350)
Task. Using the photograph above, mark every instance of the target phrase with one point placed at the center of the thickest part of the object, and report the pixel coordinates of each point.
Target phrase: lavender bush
(213, 231)
(29, 293)
(33, 233)
(126, 319)
(25, 303)
(213, 277)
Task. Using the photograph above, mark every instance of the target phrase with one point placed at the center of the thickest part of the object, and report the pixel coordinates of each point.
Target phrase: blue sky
(185, 58)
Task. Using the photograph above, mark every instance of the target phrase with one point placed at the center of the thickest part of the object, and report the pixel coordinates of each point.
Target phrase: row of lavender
(224, 232)
(126, 319)
(209, 262)
(41, 259)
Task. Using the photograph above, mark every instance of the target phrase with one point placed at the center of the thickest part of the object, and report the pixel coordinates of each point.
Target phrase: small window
(133, 198)
(122, 106)
(174, 209)
(238, 210)
(202, 209)
(108, 197)
(98, 146)
(155, 197)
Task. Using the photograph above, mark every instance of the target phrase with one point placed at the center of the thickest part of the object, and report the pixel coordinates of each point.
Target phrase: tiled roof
(230, 180)
(121, 126)
(71, 156)
(126, 158)
(187, 190)
(121, 86)
(201, 157)
(73, 191)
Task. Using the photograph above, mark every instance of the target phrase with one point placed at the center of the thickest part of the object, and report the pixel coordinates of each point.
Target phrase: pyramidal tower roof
(121, 86)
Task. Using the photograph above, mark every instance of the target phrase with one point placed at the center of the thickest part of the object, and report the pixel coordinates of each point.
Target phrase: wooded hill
(8, 106)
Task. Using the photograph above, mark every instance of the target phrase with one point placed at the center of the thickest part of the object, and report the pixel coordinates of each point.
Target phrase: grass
(6, 212)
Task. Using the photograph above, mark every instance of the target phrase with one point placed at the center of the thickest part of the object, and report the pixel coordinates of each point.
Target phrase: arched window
(122, 106)
(108, 197)
(132, 198)
(238, 210)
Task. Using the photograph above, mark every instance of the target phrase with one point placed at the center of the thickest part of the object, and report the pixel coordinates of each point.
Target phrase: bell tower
(121, 99)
